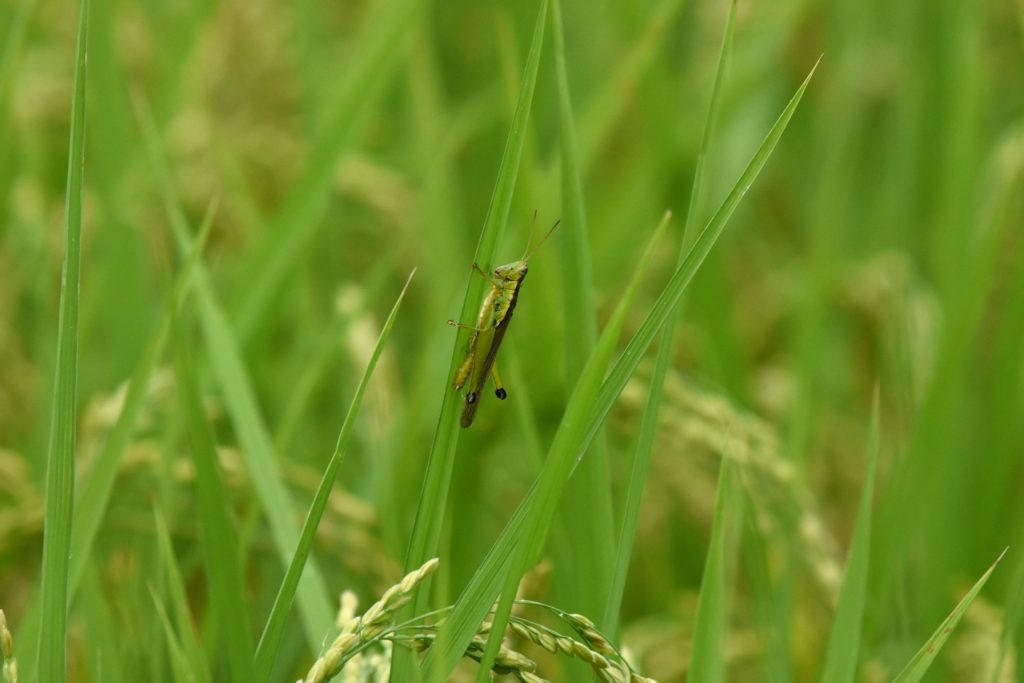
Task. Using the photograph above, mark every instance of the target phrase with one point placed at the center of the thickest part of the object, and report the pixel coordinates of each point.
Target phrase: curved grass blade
(430, 512)
(645, 442)
(917, 666)
(272, 632)
(485, 585)
(707, 659)
(844, 641)
(669, 298)
(225, 576)
(60, 461)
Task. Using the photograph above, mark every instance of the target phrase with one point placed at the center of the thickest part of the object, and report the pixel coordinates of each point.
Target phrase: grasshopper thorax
(511, 271)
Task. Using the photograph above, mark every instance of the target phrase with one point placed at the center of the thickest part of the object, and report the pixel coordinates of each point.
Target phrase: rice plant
(758, 406)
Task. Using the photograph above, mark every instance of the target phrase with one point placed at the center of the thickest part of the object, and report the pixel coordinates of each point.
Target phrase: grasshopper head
(511, 271)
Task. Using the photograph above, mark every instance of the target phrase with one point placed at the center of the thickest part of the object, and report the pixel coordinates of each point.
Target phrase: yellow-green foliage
(250, 184)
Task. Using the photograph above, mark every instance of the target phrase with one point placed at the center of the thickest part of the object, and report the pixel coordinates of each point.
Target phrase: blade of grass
(272, 632)
(190, 646)
(430, 511)
(221, 555)
(707, 658)
(844, 641)
(580, 312)
(484, 587)
(230, 374)
(60, 461)
(673, 291)
(589, 497)
(641, 464)
(917, 666)
(530, 549)
(92, 502)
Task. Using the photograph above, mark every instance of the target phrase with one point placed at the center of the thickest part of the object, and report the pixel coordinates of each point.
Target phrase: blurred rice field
(344, 144)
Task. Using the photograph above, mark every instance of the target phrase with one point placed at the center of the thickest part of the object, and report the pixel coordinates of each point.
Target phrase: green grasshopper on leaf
(486, 337)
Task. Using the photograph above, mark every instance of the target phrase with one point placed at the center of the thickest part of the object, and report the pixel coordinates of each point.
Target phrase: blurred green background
(349, 142)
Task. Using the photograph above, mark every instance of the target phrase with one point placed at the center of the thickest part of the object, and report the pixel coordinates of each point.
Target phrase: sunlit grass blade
(589, 513)
(649, 422)
(229, 370)
(673, 291)
(917, 666)
(60, 461)
(186, 638)
(530, 522)
(92, 502)
(711, 623)
(430, 512)
(485, 585)
(221, 554)
(274, 628)
(844, 641)
(299, 220)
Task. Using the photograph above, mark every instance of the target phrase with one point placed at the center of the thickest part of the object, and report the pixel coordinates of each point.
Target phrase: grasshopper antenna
(529, 238)
(530, 252)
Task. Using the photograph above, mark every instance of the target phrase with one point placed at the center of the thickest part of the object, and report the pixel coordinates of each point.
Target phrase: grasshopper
(492, 323)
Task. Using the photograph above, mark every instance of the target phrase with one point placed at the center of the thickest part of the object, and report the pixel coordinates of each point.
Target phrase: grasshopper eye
(501, 393)
(471, 397)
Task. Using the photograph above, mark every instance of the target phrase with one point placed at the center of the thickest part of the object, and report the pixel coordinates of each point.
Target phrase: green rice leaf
(485, 585)
(221, 554)
(430, 512)
(844, 641)
(535, 514)
(666, 302)
(185, 642)
(271, 638)
(589, 514)
(707, 658)
(916, 668)
(645, 441)
(60, 461)
(184, 669)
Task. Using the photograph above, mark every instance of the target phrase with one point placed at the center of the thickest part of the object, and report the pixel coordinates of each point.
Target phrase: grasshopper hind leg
(499, 387)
